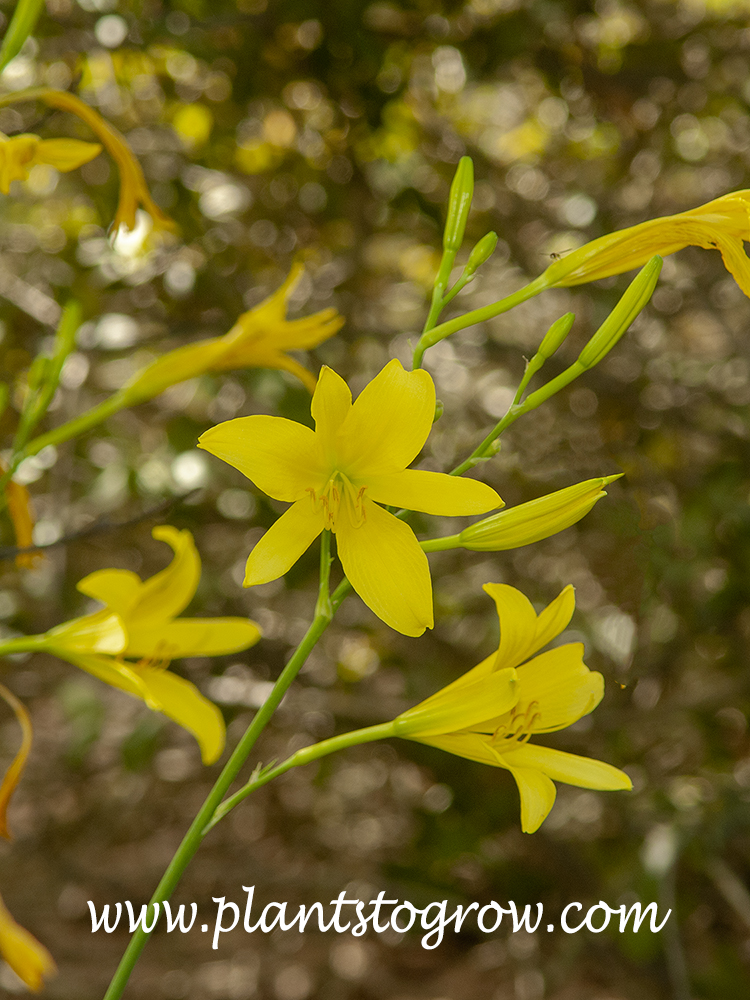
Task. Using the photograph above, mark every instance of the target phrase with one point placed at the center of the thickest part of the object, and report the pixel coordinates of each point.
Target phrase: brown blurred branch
(99, 527)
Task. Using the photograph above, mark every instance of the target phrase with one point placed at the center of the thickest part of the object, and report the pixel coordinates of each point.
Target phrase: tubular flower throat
(722, 224)
(22, 152)
(337, 476)
(29, 959)
(259, 339)
(490, 714)
(139, 622)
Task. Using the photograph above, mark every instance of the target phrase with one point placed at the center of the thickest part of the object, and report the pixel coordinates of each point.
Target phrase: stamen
(518, 729)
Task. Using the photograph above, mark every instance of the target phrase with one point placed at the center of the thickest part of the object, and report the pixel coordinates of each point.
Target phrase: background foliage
(330, 132)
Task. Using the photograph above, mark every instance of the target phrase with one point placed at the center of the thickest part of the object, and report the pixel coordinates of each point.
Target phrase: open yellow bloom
(22, 152)
(489, 714)
(722, 224)
(140, 622)
(29, 959)
(337, 476)
(259, 339)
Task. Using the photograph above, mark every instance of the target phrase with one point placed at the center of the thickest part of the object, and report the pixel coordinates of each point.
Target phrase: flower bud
(638, 293)
(481, 253)
(459, 203)
(540, 518)
(555, 336)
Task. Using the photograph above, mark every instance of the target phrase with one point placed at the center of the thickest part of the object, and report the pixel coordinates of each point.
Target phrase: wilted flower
(133, 188)
(29, 959)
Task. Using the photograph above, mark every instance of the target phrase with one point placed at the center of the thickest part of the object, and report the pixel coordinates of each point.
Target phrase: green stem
(304, 756)
(23, 644)
(62, 433)
(323, 604)
(194, 836)
(438, 333)
(438, 544)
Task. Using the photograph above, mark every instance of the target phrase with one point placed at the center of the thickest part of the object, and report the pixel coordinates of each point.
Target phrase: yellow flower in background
(18, 500)
(259, 339)
(722, 224)
(22, 152)
(29, 959)
(490, 713)
(140, 622)
(337, 476)
(133, 188)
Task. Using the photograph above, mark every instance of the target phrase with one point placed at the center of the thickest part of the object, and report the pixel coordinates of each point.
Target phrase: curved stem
(198, 828)
(304, 756)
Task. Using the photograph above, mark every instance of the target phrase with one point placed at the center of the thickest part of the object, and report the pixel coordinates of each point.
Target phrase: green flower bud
(459, 203)
(481, 253)
(555, 336)
(616, 324)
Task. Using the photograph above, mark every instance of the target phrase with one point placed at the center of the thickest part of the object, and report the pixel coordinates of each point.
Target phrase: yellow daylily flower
(259, 339)
(722, 224)
(13, 775)
(22, 152)
(29, 959)
(337, 476)
(489, 714)
(140, 622)
(133, 188)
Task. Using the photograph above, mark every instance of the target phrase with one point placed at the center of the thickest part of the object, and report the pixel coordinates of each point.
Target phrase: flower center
(518, 729)
(339, 491)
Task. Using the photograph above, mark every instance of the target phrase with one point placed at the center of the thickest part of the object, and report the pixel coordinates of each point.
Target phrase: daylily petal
(562, 685)
(569, 768)
(283, 543)
(175, 366)
(168, 592)
(538, 795)
(440, 714)
(101, 632)
(735, 260)
(472, 746)
(331, 403)
(13, 774)
(432, 492)
(309, 331)
(29, 959)
(117, 588)
(116, 673)
(518, 624)
(385, 565)
(163, 692)
(277, 359)
(280, 456)
(66, 154)
(555, 618)
(182, 702)
(192, 637)
(388, 423)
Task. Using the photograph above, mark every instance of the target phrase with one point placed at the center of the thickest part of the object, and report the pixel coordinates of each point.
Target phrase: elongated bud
(459, 203)
(615, 325)
(555, 336)
(439, 408)
(538, 519)
(481, 253)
